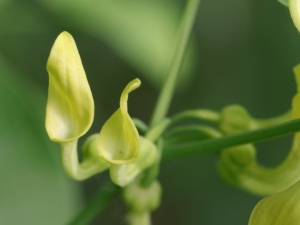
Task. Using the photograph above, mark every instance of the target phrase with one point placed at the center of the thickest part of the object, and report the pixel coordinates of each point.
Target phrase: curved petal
(119, 138)
(70, 106)
(125, 173)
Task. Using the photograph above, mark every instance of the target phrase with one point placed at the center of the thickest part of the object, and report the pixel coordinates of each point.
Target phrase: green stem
(97, 203)
(263, 134)
(166, 94)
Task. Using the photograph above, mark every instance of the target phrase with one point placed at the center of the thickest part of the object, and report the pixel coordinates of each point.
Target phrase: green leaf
(34, 189)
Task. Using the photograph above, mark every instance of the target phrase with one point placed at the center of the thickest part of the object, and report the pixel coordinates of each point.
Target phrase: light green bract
(119, 138)
(70, 106)
(70, 109)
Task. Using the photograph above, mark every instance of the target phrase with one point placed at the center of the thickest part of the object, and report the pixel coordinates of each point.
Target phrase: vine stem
(184, 33)
(213, 145)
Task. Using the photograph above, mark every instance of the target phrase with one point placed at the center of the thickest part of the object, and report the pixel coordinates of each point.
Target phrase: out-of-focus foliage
(142, 32)
(32, 187)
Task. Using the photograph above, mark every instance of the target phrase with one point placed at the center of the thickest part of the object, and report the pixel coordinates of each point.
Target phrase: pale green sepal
(139, 218)
(91, 163)
(280, 209)
(123, 174)
(284, 2)
(119, 138)
(139, 199)
(294, 6)
(70, 106)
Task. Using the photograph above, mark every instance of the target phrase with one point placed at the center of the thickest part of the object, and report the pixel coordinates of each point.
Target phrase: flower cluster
(69, 115)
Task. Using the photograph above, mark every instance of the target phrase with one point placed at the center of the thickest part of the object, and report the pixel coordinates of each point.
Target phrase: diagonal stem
(166, 94)
(213, 145)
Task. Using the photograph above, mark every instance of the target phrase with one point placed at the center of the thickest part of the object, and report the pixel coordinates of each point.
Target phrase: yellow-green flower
(119, 138)
(70, 113)
(120, 144)
(70, 109)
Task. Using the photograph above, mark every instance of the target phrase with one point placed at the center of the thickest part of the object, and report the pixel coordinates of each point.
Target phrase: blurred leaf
(20, 17)
(33, 188)
(2, 2)
(142, 32)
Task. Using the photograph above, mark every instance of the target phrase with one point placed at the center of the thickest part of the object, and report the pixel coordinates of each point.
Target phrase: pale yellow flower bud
(70, 106)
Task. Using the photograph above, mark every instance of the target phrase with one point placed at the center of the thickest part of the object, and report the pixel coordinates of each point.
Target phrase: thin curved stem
(191, 133)
(275, 120)
(200, 114)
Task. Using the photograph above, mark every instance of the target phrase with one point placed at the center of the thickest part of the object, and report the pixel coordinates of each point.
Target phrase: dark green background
(243, 52)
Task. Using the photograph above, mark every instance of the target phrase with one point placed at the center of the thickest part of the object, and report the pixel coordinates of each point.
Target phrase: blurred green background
(241, 51)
